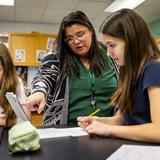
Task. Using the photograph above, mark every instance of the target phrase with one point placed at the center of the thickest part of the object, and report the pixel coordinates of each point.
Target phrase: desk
(69, 148)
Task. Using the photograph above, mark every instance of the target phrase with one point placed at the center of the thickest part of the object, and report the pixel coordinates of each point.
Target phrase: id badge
(93, 102)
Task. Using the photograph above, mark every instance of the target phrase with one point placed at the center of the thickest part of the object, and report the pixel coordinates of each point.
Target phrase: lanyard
(92, 79)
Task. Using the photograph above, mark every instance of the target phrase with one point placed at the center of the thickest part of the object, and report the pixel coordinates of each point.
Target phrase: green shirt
(80, 92)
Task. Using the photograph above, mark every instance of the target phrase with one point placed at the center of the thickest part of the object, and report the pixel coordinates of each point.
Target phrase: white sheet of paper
(76, 131)
(60, 132)
(135, 152)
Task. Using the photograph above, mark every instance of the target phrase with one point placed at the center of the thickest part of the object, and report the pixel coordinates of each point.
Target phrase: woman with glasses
(76, 77)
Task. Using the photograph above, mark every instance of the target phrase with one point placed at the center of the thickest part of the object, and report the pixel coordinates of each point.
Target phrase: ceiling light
(119, 4)
(7, 2)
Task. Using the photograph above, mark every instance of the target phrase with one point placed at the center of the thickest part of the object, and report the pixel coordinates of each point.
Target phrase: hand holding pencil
(85, 121)
(93, 113)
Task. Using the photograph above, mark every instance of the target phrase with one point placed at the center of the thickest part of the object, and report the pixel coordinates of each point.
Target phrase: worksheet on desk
(60, 132)
(135, 152)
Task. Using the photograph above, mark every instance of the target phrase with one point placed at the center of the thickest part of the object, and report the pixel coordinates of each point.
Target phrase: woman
(130, 43)
(76, 77)
(9, 82)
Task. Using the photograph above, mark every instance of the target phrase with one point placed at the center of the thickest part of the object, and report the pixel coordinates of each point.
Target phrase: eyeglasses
(79, 36)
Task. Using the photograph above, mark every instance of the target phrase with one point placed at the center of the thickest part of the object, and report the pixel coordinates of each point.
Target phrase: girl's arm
(149, 132)
(114, 120)
(85, 121)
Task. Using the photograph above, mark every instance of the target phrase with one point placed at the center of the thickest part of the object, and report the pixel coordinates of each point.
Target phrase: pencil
(93, 113)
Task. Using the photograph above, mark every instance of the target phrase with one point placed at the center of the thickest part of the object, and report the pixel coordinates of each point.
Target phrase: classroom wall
(155, 29)
(28, 27)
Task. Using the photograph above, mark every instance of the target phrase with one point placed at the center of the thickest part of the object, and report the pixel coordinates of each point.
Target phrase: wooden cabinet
(37, 119)
(25, 46)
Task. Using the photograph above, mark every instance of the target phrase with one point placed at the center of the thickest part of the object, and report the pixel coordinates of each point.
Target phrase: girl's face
(1, 72)
(115, 48)
(79, 39)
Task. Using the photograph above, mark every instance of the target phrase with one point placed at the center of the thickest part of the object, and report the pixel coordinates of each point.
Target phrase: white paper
(135, 152)
(60, 132)
(76, 131)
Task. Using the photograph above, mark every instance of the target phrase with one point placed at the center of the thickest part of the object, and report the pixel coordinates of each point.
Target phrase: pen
(93, 113)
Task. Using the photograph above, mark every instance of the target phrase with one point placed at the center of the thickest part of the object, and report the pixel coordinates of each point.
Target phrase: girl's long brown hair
(8, 82)
(140, 47)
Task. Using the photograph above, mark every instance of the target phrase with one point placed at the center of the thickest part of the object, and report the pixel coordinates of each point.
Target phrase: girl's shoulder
(151, 74)
(153, 64)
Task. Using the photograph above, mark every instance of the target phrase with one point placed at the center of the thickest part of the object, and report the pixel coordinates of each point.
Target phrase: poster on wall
(50, 42)
(20, 55)
(40, 54)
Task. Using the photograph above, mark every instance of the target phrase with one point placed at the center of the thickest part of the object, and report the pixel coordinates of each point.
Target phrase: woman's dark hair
(68, 59)
(140, 47)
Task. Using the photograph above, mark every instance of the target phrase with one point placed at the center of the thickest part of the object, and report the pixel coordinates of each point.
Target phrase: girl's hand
(98, 128)
(85, 121)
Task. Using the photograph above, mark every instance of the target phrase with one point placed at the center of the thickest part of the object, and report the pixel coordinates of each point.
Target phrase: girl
(9, 82)
(130, 43)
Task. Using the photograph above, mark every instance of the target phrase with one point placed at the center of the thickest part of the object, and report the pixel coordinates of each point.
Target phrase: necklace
(93, 98)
